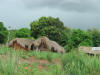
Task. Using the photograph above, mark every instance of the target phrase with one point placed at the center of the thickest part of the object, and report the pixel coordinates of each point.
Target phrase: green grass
(73, 63)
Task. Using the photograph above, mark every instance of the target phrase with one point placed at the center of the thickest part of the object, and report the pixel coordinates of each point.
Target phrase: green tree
(80, 38)
(51, 27)
(96, 37)
(23, 33)
(68, 30)
(12, 34)
(3, 34)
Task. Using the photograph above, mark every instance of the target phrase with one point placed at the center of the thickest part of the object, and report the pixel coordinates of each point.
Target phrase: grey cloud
(69, 5)
(74, 13)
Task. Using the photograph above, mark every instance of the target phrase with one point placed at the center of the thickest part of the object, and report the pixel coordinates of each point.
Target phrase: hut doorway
(53, 50)
(32, 47)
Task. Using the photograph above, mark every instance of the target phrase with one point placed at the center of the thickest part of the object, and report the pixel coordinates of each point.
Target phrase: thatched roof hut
(21, 43)
(41, 44)
(44, 43)
(90, 50)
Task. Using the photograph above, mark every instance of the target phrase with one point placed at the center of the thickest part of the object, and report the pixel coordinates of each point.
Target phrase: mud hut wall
(17, 46)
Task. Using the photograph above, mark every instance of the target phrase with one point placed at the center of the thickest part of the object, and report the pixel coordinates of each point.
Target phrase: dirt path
(32, 60)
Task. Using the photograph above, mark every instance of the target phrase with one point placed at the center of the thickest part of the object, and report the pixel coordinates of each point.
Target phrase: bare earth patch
(32, 60)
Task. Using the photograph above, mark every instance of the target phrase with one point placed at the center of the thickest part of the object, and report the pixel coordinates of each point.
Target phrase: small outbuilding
(90, 50)
(21, 43)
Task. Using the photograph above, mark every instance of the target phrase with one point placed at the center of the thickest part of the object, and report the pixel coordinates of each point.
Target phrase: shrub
(96, 37)
(23, 33)
(12, 34)
(3, 34)
(79, 37)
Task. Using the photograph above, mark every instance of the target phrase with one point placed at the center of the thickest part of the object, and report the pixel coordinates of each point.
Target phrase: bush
(96, 37)
(85, 43)
(23, 33)
(3, 34)
(12, 34)
(79, 37)
(67, 48)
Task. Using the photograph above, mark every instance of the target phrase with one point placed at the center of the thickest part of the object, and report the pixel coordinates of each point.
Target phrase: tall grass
(10, 64)
(75, 63)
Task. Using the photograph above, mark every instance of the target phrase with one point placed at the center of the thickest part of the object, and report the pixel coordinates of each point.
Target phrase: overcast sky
(74, 13)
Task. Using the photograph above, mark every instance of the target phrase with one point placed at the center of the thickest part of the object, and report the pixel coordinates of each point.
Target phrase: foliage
(3, 33)
(51, 27)
(12, 34)
(68, 30)
(67, 48)
(79, 37)
(23, 33)
(75, 63)
(96, 37)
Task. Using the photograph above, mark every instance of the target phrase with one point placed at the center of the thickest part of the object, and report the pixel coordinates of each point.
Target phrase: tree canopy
(81, 38)
(3, 34)
(51, 27)
(96, 37)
